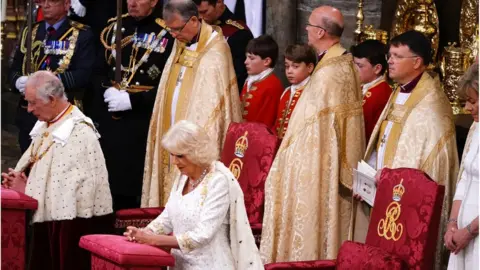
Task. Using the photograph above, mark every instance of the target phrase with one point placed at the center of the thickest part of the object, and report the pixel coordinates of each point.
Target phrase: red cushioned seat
(361, 256)
(14, 207)
(115, 252)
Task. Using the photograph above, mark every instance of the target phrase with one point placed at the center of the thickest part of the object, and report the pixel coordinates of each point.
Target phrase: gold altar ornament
(370, 33)
(419, 15)
(469, 27)
(455, 61)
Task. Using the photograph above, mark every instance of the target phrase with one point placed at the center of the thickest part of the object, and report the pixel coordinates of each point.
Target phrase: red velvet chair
(403, 227)
(14, 207)
(249, 151)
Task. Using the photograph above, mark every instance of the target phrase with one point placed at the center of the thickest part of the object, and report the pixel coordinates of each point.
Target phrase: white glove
(109, 92)
(119, 101)
(20, 84)
(78, 8)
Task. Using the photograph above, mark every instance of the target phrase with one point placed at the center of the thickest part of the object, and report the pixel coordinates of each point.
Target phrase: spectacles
(395, 57)
(316, 26)
(180, 29)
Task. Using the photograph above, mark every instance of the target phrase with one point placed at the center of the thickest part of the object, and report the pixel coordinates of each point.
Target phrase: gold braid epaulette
(78, 25)
(115, 18)
(162, 23)
(234, 23)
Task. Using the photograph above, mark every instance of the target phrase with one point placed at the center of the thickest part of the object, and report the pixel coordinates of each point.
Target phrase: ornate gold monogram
(236, 167)
(241, 145)
(388, 227)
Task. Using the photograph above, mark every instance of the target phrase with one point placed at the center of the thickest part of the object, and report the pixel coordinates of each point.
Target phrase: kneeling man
(64, 170)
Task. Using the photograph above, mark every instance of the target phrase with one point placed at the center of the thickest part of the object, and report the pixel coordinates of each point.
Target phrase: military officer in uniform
(60, 45)
(123, 109)
(215, 12)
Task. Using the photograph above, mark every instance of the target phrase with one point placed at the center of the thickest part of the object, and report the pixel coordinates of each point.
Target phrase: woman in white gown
(204, 222)
(461, 237)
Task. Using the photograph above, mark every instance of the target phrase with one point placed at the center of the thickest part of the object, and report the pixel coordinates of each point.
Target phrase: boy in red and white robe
(262, 89)
(371, 63)
(300, 61)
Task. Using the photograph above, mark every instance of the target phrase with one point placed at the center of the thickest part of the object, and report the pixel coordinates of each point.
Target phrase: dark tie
(50, 32)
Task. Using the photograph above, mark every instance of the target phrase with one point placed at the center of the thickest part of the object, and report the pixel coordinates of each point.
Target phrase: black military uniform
(238, 35)
(68, 52)
(146, 46)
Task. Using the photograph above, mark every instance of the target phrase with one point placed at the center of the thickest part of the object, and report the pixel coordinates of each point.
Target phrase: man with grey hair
(198, 84)
(64, 170)
(314, 194)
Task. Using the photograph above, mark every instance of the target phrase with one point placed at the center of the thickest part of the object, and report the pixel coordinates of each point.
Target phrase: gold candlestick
(360, 18)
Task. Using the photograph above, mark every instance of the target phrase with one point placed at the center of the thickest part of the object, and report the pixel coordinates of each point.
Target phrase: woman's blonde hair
(468, 80)
(188, 139)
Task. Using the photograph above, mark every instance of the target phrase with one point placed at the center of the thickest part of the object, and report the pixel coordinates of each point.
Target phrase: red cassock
(285, 110)
(374, 102)
(261, 102)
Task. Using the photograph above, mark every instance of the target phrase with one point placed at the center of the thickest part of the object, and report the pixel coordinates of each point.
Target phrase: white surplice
(210, 224)
(467, 192)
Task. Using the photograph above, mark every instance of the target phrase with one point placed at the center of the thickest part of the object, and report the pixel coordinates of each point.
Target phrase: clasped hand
(14, 180)
(140, 235)
(457, 239)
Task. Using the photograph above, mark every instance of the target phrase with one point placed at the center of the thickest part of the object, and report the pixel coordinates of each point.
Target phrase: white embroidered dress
(201, 221)
(467, 192)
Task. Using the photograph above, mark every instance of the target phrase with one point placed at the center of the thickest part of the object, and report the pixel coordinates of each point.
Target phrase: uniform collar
(227, 14)
(56, 25)
(145, 21)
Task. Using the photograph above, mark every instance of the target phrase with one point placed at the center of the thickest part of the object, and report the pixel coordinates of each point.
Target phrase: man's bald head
(329, 18)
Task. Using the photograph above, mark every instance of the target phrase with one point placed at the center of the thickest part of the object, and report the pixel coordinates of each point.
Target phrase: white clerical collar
(367, 86)
(258, 77)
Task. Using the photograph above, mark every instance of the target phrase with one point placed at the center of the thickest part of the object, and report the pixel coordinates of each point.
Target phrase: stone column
(281, 25)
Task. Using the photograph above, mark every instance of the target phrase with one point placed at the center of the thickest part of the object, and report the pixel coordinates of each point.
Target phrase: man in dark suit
(122, 110)
(60, 45)
(215, 12)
